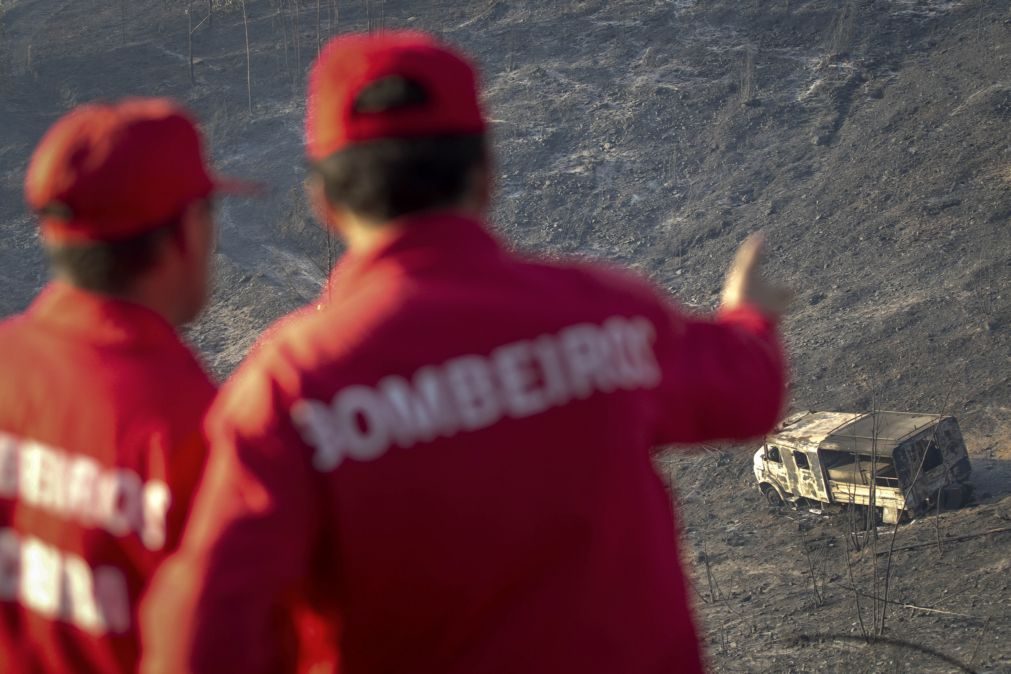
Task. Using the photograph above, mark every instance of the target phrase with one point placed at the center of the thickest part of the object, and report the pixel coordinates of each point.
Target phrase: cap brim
(237, 187)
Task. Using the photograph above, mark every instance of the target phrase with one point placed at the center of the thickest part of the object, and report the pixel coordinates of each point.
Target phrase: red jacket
(453, 458)
(100, 450)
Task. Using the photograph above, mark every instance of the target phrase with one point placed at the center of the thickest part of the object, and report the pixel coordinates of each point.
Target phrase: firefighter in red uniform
(453, 457)
(101, 404)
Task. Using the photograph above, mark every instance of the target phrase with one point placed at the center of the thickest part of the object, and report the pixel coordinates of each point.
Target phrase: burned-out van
(896, 462)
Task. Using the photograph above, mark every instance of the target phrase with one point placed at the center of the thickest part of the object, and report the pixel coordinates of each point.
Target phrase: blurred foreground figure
(452, 457)
(101, 404)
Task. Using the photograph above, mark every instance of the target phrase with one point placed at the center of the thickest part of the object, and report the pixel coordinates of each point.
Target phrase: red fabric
(119, 170)
(100, 403)
(525, 530)
(350, 63)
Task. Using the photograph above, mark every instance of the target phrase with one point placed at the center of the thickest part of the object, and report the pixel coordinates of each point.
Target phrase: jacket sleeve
(723, 378)
(218, 604)
(185, 468)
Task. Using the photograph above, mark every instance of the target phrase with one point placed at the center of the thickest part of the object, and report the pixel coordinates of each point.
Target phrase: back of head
(109, 267)
(394, 124)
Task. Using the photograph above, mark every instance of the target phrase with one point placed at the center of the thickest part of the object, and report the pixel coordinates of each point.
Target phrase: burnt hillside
(869, 138)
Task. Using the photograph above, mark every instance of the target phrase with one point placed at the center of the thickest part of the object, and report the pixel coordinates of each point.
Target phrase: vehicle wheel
(772, 496)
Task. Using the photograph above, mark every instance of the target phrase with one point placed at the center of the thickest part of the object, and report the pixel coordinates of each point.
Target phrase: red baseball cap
(350, 64)
(110, 171)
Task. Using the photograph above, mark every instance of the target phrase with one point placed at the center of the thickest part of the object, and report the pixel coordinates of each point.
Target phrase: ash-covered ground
(869, 139)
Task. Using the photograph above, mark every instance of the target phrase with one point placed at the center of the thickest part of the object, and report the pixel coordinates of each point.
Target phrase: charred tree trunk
(189, 38)
(249, 67)
(296, 30)
(319, 37)
(284, 36)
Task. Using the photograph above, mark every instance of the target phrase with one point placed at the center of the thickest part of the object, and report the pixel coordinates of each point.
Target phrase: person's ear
(194, 229)
(482, 177)
(482, 185)
(487, 185)
(315, 192)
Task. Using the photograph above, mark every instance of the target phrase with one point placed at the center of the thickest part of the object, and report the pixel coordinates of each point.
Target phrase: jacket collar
(415, 244)
(97, 318)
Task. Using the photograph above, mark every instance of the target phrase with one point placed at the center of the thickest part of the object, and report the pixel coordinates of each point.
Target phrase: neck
(163, 305)
(144, 293)
(362, 235)
(362, 238)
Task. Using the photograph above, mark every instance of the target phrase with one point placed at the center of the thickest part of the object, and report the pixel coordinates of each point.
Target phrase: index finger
(749, 254)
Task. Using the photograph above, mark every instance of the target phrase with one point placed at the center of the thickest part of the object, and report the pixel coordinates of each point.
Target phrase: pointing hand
(745, 283)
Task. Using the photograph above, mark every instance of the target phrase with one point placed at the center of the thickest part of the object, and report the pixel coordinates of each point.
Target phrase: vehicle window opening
(933, 457)
(772, 454)
(801, 460)
(857, 469)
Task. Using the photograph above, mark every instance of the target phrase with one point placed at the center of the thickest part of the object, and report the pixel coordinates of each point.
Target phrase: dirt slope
(869, 138)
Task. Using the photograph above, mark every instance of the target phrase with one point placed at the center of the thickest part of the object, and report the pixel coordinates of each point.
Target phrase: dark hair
(388, 178)
(109, 267)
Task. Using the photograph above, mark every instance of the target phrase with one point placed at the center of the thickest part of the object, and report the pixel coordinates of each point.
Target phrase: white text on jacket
(471, 392)
(62, 586)
(77, 488)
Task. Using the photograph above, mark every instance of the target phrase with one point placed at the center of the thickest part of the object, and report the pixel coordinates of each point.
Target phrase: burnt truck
(898, 463)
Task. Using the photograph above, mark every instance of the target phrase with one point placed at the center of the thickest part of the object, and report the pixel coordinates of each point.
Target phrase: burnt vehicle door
(775, 469)
(804, 470)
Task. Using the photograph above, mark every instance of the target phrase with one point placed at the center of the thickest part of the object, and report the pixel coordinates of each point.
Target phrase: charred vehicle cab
(896, 462)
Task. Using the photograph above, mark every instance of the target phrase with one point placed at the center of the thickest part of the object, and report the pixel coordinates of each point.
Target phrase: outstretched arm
(725, 379)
